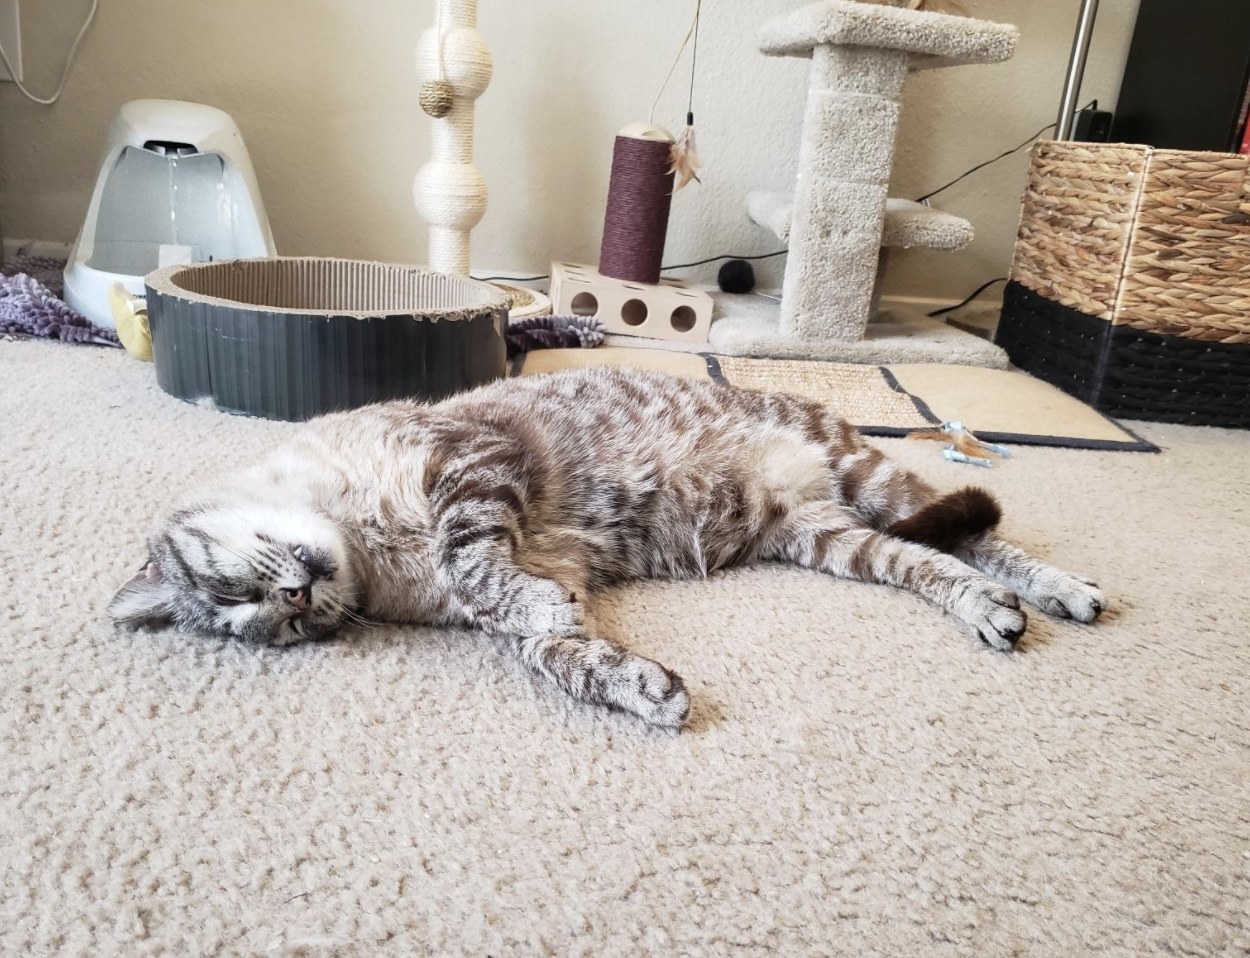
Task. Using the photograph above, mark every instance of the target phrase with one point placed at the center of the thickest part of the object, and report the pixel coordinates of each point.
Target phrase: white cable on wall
(69, 62)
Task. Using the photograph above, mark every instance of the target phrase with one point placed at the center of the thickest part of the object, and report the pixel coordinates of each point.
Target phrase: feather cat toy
(962, 444)
(683, 157)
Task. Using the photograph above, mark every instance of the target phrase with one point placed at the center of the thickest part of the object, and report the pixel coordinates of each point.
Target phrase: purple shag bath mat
(31, 304)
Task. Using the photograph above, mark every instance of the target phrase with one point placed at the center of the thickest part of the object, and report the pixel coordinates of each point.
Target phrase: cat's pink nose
(297, 597)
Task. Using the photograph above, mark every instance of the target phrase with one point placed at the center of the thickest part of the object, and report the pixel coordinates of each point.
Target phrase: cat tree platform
(907, 224)
(751, 326)
(839, 218)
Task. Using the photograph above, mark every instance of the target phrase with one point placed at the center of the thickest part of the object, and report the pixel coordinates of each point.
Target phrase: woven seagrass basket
(1130, 284)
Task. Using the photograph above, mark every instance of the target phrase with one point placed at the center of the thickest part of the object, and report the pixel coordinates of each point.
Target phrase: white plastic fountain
(176, 185)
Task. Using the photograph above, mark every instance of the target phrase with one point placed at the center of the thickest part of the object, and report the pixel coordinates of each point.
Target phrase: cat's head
(266, 574)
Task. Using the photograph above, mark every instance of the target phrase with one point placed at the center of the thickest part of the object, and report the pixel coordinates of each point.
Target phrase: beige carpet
(859, 776)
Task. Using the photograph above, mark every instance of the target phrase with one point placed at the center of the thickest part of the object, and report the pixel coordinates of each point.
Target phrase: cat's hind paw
(1072, 597)
(997, 619)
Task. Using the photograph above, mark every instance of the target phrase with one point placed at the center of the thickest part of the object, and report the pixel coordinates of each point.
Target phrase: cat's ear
(147, 599)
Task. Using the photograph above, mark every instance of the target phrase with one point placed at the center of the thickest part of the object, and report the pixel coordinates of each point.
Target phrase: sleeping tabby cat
(505, 507)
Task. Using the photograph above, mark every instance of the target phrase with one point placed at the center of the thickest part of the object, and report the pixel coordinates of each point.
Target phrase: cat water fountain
(176, 185)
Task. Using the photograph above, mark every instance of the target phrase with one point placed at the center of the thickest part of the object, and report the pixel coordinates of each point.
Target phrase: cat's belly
(681, 508)
(684, 528)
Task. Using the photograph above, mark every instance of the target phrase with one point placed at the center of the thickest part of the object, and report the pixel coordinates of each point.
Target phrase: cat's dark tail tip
(947, 523)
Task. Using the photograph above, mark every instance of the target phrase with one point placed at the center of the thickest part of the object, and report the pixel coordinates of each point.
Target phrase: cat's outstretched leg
(603, 673)
(1052, 590)
(542, 622)
(477, 543)
(835, 539)
(962, 524)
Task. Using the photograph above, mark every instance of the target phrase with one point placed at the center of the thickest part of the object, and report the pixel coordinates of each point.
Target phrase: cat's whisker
(339, 608)
(355, 619)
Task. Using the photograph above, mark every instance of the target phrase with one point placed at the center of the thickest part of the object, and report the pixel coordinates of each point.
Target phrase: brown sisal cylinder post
(639, 196)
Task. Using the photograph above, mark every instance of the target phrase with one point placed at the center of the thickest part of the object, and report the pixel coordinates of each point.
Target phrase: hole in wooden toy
(585, 304)
(683, 319)
(634, 312)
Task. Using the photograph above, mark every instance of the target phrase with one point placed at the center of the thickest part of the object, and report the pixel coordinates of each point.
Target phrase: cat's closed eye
(231, 600)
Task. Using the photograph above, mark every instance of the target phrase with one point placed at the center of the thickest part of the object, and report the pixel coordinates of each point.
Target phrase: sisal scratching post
(454, 67)
(640, 196)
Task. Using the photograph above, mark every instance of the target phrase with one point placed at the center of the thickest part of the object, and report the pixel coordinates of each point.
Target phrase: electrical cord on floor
(69, 62)
(973, 295)
(713, 259)
(511, 279)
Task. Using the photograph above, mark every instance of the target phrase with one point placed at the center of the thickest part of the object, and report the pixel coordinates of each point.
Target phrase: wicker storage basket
(1130, 285)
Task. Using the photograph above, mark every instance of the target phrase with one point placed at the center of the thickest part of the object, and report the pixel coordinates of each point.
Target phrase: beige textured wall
(324, 92)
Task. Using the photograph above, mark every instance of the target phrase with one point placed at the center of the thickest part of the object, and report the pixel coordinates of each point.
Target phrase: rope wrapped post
(454, 67)
(640, 194)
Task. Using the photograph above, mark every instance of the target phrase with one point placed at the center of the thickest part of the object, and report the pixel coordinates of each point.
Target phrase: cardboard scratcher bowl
(294, 337)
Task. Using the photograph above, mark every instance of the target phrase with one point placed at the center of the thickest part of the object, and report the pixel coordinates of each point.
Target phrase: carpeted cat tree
(839, 222)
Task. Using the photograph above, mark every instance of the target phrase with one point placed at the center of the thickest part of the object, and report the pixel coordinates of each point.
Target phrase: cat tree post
(837, 215)
(454, 68)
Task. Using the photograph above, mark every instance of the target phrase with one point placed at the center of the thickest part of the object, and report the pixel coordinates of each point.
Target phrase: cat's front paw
(1072, 597)
(994, 614)
(652, 692)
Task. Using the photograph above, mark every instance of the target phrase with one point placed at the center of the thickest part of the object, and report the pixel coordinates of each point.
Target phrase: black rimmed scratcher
(294, 337)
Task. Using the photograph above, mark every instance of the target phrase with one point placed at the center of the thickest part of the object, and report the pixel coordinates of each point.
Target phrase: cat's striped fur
(505, 507)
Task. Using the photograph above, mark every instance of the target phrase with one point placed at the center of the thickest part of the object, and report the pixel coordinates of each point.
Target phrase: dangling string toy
(963, 445)
(683, 157)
